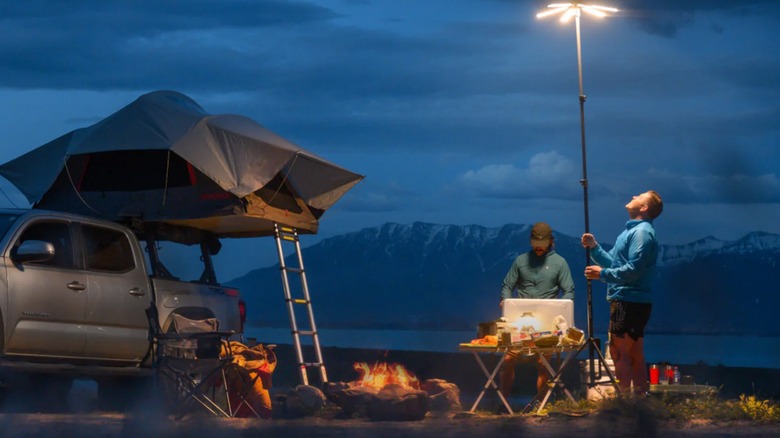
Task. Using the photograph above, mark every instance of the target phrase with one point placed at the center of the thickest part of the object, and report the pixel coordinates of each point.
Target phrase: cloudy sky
(457, 111)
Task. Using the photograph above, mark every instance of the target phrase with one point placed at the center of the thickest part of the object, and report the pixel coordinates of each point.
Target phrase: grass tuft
(702, 407)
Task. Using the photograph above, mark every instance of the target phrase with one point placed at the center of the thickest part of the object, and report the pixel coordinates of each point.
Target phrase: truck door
(118, 295)
(47, 299)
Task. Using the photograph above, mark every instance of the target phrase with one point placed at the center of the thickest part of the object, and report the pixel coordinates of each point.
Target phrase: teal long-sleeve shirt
(539, 277)
(629, 267)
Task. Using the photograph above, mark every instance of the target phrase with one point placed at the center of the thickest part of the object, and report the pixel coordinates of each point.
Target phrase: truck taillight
(242, 313)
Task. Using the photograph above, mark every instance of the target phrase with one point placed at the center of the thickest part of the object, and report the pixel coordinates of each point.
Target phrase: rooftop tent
(163, 160)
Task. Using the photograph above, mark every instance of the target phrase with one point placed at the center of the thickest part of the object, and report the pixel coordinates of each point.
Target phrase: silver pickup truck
(75, 294)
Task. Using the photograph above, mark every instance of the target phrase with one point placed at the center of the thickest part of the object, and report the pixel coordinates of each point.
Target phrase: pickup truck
(75, 293)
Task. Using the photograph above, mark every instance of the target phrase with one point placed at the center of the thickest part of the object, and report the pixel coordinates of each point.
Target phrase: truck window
(107, 250)
(56, 233)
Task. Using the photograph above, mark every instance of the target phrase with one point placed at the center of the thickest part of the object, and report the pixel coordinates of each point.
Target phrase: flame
(382, 373)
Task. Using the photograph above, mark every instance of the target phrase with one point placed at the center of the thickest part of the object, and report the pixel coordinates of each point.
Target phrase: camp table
(569, 351)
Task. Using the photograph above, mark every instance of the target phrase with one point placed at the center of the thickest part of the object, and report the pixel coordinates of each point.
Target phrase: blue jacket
(629, 267)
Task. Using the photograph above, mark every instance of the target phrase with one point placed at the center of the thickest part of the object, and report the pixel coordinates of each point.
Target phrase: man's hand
(501, 304)
(588, 241)
(593, 272)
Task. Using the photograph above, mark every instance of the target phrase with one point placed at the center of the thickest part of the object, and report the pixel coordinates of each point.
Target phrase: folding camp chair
(189, 369)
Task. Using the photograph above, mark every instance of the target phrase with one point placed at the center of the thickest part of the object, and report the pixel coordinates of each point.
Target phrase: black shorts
(627, 317)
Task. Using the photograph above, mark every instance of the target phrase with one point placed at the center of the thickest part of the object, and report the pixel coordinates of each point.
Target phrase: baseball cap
(541, 233)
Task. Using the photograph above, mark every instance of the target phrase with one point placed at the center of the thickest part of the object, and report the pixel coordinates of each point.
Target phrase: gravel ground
(452, 425)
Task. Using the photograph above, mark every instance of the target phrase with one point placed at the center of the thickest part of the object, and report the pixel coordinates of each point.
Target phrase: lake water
(726, 350)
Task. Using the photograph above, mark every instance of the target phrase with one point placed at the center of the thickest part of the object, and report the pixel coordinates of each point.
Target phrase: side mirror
(33, 251)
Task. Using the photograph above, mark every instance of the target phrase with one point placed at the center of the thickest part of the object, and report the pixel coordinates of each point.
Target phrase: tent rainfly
(163, 160)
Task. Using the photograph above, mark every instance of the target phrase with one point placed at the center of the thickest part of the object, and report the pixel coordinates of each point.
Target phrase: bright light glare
(568, 14)
(595, 12)
(552, 11)
(570, 10)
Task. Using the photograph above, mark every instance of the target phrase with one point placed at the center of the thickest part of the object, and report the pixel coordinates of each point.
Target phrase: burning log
(381, 374)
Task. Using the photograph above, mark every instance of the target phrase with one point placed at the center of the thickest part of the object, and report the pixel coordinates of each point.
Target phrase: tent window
(124, 171)
(277, 194)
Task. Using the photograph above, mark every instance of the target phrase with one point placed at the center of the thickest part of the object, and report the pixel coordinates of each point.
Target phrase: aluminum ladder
(288, 234)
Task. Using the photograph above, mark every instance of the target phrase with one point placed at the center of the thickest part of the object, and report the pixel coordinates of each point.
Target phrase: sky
(456, 111)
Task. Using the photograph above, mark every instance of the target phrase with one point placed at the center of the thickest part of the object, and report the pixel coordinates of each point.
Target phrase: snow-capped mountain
(446, 276)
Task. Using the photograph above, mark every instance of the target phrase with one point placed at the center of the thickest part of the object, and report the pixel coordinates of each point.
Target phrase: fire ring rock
(304, 401)
(444, 396)
(353, 401)
(396, 403)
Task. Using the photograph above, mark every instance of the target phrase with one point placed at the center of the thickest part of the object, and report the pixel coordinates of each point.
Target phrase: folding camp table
(555, 381)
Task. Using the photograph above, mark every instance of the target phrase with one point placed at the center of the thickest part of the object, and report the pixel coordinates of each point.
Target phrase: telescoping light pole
(569, 11)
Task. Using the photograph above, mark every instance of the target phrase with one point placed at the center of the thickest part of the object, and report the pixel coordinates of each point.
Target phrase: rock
(353, 401)
(444, 396)
(332, 388)
(396, 403)
(304, 401)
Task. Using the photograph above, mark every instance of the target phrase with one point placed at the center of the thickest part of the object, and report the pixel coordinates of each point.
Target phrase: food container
(486, 328)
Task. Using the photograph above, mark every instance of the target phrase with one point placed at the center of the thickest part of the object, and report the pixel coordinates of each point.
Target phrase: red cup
(654, 374)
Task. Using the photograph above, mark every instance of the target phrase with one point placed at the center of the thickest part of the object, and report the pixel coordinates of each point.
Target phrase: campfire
(390, 392)
(381, 374)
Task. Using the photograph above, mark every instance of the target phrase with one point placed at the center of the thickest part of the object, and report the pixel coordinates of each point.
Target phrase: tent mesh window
(277, 194)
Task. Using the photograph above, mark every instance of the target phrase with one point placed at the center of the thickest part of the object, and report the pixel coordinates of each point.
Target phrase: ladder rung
(300, 301)
(312, 364)
(288, 238)
(287, 268)
(306, 332)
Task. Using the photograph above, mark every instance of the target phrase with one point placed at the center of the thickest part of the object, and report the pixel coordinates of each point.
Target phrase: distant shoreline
(474, 328)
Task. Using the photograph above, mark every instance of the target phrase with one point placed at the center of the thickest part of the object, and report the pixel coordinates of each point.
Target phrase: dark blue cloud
(666, 17)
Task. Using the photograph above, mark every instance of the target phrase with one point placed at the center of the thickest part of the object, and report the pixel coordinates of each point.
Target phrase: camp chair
(190, 371)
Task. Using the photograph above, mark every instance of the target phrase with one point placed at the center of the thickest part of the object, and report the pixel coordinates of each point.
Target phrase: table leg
(555, 380)
(491, 382)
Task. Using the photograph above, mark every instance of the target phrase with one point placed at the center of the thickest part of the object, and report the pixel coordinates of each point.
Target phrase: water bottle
(676, 376)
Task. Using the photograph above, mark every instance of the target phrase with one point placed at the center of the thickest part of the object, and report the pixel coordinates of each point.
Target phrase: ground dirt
(451, 425)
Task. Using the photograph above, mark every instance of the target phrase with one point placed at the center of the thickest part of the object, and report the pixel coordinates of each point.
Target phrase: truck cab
(75, 290)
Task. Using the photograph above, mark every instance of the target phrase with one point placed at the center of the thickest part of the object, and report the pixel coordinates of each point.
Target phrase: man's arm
(510, 281)
(641, 254)
(565, 282)
(597, 253)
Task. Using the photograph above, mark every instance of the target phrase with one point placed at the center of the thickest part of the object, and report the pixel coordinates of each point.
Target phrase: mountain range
(429, 276)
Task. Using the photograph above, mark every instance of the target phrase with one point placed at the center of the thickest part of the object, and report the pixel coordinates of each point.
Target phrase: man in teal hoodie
(628, 269)
(538, 273)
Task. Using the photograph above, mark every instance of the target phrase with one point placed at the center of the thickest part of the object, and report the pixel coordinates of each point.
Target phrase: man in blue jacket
(538, 273)
(628, 269)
